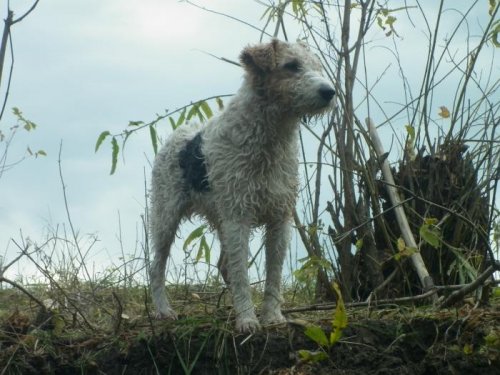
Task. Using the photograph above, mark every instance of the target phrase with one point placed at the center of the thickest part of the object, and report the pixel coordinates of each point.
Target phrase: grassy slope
(123, 339)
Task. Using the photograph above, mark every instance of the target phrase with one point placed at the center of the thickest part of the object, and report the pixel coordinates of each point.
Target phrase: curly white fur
(251, 165)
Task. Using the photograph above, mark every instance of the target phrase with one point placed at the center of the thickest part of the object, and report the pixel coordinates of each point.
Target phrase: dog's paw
(247, 325)
(166, 314)
(272, 317)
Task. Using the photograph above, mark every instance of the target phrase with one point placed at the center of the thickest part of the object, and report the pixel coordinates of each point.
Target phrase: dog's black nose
(326, 93)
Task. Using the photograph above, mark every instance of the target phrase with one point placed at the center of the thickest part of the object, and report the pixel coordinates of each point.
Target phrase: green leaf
(114, 154)
(390, 21)
(340, 317)
(312, 357)
(203, 249)
(197, 233)
(172, 123)
(317, 334)
(468, 349)
(181, 118)
(127, 134)
(199, 254)
(28, 125)
(298, 7)
(310, 268)
(444, 112)
(379, 22)
(335, 336)
(204, 244)
(403, 250)
(135, 123)
(496, 294)
(193, 111)
(154, 138)
(494, 34)
(359, 244)
(492, 6)
(431, 235)
(100, 139)
(220, 103)
(40, 153)
(411, 132)
(401, 244)
(339, 321)
(430, 221)
(206, 109)
(312, 230)
(406, 252)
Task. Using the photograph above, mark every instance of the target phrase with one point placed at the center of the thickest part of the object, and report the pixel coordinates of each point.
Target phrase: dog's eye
(292, 66)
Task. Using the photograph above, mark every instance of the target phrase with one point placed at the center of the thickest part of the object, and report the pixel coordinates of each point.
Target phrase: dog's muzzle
(326, 93)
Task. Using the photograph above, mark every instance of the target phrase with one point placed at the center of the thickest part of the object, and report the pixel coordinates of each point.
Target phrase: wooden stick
(459, 294)
(416, 258)
(382, 302)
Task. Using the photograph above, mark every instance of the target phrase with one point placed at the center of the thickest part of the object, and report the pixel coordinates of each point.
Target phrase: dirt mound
(452, 342)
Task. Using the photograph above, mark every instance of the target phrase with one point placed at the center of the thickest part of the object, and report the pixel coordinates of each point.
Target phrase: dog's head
(288, 74)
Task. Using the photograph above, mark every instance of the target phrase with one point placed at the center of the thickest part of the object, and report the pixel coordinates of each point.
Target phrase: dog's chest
(262, 185)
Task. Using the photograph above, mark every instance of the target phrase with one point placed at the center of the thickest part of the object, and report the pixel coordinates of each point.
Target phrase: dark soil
(465, 341)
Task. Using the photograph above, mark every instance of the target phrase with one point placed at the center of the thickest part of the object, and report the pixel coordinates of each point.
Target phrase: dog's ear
(260, 59)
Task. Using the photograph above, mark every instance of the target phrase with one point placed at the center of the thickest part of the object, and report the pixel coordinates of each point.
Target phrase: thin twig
(393, 301)
(9, 81)
(73, 232)
(22, 289)
(56, 284)
(25, 14)
(227, 16)
(224, 59)
(126, 133)
(459, 294)
(319, 155)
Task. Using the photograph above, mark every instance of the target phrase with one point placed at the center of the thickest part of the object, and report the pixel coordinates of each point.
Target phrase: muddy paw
(247, 325)
(166, 314)
(272, 317)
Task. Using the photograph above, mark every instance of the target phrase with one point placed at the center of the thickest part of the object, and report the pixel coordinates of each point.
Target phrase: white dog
(240, 171)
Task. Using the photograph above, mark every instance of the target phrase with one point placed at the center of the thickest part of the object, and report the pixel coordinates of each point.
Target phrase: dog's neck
(259, 111)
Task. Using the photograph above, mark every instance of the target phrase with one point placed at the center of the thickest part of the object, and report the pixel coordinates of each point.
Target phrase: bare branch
(468, 288)
(22, 289)
(25, 14)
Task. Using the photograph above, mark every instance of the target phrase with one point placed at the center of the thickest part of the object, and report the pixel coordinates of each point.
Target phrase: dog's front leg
(277, 237)
(235, 237)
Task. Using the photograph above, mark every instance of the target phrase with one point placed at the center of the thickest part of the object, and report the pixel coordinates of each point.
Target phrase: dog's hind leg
(277, 237)
(234, 238)
(165, 219)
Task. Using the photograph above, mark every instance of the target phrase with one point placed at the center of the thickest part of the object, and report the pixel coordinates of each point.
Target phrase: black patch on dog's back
(192, 163)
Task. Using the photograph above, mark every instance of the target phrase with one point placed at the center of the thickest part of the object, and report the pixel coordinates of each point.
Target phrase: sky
(82, 67)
